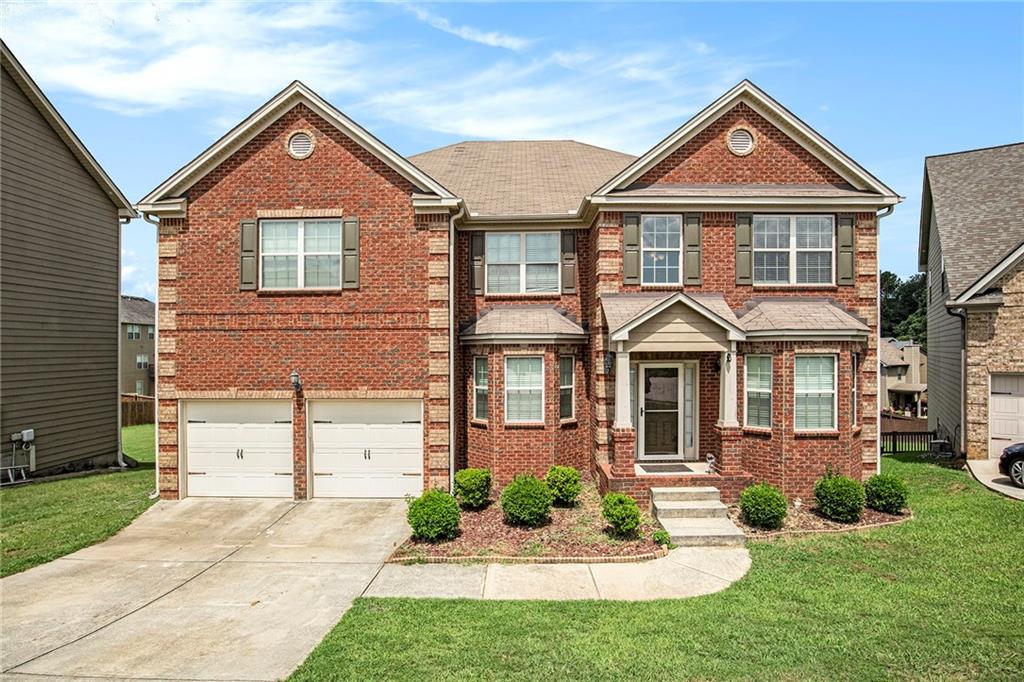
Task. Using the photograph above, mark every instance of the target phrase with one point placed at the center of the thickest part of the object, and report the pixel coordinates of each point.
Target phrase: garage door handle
(282, 473)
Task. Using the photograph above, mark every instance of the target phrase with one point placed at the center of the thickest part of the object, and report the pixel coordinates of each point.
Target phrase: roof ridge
(971, 151)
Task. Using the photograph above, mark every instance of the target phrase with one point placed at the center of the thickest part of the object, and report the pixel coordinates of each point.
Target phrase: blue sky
(147, 86)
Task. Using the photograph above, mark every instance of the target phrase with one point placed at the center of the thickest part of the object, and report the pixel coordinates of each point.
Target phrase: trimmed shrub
(434, 515)
(886, 493)
(526, 501)
(764, 506)
(565, 485)
(621, 513)
(662, 538)
(473, 487)
(839, 498)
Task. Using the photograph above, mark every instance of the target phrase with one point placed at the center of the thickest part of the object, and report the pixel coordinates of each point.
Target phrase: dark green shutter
(476, 263)
(844, 254)
(691, 248)
(250, 256)
(569, 262)
(350, 253)
(631, 249)
(744, 248)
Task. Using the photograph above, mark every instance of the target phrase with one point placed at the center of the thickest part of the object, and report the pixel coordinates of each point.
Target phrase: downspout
(960, 313)
(121, 464)
(156, 360)
(451, 346)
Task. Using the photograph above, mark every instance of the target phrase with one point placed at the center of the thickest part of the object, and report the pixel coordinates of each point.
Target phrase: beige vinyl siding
(945, 341)
(58, 293)
(675, 328)
(129, 349)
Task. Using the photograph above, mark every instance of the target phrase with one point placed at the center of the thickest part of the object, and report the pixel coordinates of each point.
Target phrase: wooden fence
(137, 409)
(907, 441)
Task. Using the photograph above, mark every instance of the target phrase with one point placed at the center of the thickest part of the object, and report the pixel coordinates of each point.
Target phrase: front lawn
(938, 597)
(43, 521)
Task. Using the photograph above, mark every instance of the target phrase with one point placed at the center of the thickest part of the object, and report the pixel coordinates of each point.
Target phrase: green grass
(43, 521)
(938, 597)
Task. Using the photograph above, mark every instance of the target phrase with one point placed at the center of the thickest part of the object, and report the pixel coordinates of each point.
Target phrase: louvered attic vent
(300, 145)
(741, 142)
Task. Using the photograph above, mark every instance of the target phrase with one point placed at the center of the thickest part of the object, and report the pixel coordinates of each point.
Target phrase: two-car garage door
(1006, 412)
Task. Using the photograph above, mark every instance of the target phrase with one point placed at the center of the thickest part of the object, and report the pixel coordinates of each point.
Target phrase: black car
(1011, 463)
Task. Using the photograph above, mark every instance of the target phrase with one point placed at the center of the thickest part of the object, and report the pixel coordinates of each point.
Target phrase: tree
(904, 307)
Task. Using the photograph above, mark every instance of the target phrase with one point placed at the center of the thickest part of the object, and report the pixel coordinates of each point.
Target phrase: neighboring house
(59, 271)
(904, 375)
(338, 320)
(972, 247)
(138, 345)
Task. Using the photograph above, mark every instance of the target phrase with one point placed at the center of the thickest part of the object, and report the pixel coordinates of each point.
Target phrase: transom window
(480, 392)
(815, 392)
(134, 332)
(524, 389)
(758, 411)
(793, 249)
(523, 262)
(661, 249)
(566, 387)
(297, 254)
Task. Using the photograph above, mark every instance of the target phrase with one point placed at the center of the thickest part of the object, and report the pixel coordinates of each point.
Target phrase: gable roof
(278, 105)
(137, 310)
(978, 199)
(517, 178)
(42, 104)
(617, 311)
(760, 102)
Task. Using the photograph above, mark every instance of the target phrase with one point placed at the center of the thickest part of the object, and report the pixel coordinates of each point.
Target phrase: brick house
(972, 248)
(337, 320)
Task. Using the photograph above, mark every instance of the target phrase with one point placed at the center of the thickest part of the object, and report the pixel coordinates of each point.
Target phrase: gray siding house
(138, 345)
(58, 306)
(972, 247)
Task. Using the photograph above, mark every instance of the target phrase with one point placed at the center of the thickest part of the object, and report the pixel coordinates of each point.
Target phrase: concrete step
(690, 509)
(714, 532)
(685, 494)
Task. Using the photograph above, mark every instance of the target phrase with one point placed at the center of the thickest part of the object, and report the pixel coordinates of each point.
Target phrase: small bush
(662, 538)
(839, 498)
(622, 513)
(434, 515)
(764, 506)
(565, 485)
(526, 501)
(473, 487)
(886, 493)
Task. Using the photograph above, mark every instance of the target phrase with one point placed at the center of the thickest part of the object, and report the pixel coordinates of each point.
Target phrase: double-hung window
(141, 361)
(853, 389)
(300, 254)
(815, 392)
(661, 249)
(523, 262)
(134, 332)
(758, 382)
(480, 392)
(150, 332)
(795, 249)
(524, 389)
(567, 387)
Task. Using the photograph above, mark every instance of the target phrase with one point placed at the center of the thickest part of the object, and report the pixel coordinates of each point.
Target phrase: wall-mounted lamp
(296, 381)
(609, 362)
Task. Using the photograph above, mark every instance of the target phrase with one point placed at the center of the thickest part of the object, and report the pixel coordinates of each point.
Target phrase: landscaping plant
(526, 501)
(565, 484)
(433, 516)
(763, 505)
(886, 493)
(839, 498)
(622, 513)
(662, 538)
(473, 487)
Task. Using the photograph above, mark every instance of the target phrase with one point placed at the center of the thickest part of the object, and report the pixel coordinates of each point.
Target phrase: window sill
(301, 292)
(856, 430)
(508, 297)
(570, 421)
(823, 433)
(818, 287)
(479, 423)
(524, 425)
(758, 430)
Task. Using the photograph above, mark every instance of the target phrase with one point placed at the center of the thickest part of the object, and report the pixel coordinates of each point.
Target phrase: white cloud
(475, 35)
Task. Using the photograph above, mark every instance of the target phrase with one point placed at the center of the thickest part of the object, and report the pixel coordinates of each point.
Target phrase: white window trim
(301, 254)
(522, 266)
(571, 387)
(542, 390)
(134, 332)
(746, 390)
(143, 363)
(478, 387)
(679, 281)
(835, 392)
(854, 388)
(792, 250)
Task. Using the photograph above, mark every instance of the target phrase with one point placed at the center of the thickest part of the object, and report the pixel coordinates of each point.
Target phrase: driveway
(199, 590)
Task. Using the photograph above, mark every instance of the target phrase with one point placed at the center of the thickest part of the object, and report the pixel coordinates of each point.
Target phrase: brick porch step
(695, 517)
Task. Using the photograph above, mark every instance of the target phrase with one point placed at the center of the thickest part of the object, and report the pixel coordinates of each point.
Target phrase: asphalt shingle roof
(790, 314)
(137, 310)
(517, 319)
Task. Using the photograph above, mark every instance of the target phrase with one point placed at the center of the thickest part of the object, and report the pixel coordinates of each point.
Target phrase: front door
(667, 415)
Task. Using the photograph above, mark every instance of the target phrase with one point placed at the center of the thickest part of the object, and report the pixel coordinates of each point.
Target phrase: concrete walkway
(685, 572)
(987, 473)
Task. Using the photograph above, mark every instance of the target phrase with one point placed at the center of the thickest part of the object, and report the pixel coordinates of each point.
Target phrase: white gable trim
(258, 121)
(622, 333)
(990, 277)
(749, 94)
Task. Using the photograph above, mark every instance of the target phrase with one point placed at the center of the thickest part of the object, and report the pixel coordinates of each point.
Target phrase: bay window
(523, 262)
(661, 249)
(815, 388)
(524, 389)
(480, 388)
(853, 389)
(566, 387)
(758, 383)
(796, 249)
(300, 254)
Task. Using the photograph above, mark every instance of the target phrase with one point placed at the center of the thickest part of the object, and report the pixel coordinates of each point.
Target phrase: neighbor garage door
(1006, 412)
(238, 448)
(367, 448)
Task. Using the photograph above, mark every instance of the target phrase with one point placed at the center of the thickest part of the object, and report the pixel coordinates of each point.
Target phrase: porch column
(622, 411)
(727, 391)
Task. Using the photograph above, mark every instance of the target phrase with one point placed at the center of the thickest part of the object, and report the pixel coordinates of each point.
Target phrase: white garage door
(1006, 412)
(367, 448)
(238, 448)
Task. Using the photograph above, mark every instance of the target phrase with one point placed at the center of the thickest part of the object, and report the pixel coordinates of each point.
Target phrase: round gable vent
(300, 144)
(740, 141)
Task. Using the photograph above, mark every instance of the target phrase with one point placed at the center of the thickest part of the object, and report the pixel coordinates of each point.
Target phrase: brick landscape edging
(822, 531)
(494, 559)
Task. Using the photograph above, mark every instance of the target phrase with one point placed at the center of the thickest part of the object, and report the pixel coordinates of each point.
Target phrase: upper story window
(141, 361)
(134, 332)
(523, 262)
(297, 254)
(661, 249)
(150, 332)
(795, 249)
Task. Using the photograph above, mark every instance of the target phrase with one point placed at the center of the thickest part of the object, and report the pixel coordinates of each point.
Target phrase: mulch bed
(806, 519)
(578, 531)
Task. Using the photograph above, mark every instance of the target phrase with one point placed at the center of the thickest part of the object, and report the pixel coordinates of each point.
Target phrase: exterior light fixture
(296, 381)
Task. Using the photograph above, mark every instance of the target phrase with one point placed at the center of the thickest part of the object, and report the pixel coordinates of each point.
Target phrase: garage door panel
(1006, 412)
